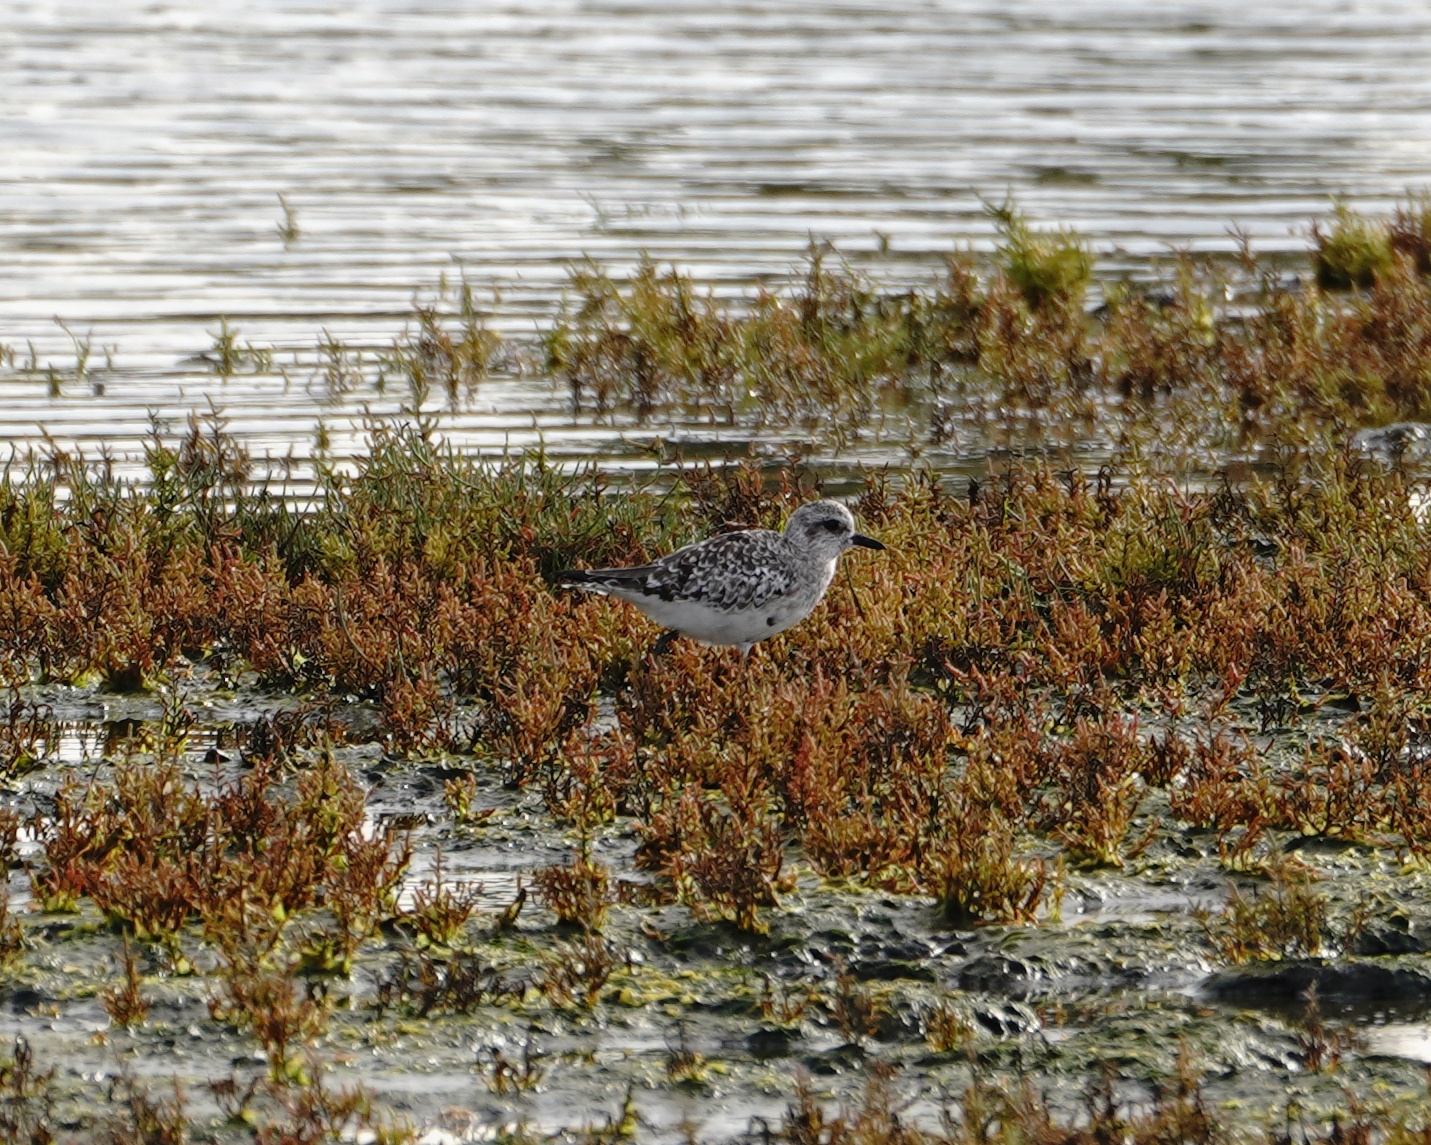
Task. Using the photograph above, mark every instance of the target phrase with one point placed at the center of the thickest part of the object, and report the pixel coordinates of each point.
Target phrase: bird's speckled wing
(735, 571)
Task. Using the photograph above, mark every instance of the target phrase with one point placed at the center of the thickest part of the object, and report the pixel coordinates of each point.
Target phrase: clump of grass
(315, 1111)
(441, 909)
(948, 1029)
(1098, 773)
(976, 876)
(686, 1068)
(1156, 346)
(1049, 269)
(139, 1117)
(27, 1097)
(834, 351)
(284, 1014)
(504, 1074)
(451, 357)
(1324, 1047)
(787, 1004)
(1352, 252)
(125, 1003)
(157, 854)
(725, 860)
(1288, 920)
(1178, 1110)
(823, 354)
(278, 1113)
(655, 334)
(227, 357)
(280, 739)
(854, 1007)
(1226, 788)
(12, 939)
(417, 715)
(459, 796)
(288, 229)
(578, 892)
(28, 732)
(575, 973)
(1410, 232)
(454, 983)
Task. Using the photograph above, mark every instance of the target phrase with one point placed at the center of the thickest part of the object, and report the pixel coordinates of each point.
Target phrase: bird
(736, 588)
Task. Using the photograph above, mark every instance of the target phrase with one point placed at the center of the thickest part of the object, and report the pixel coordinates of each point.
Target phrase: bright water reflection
(145, 144)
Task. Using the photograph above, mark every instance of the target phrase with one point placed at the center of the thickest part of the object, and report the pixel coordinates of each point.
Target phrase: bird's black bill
(865, 542)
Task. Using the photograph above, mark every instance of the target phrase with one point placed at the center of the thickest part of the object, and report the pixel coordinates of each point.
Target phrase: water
(145, 144)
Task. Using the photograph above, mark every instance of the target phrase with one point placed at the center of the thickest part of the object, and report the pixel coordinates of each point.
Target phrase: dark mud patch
(1399, 986)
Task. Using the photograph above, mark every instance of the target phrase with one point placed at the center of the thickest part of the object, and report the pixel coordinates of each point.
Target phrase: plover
(736, 588)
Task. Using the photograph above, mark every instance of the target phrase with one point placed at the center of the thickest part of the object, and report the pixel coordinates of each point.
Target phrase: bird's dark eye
(834, 526)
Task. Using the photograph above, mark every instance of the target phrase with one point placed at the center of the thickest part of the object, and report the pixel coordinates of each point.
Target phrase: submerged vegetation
(1205, 358)
(1235, 355)
(867, 848)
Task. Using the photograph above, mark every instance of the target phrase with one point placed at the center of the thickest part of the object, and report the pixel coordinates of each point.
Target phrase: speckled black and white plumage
(737, 588)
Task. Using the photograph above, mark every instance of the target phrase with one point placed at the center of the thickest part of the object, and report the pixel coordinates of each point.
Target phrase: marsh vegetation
(1096, 807)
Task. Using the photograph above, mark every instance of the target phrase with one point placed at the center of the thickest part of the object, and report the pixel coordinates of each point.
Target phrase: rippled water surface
(145, 145)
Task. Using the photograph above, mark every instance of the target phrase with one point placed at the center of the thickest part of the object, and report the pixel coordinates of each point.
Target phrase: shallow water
(145, 144)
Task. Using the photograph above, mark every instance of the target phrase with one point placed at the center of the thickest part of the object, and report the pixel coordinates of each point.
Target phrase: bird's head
(826, 528)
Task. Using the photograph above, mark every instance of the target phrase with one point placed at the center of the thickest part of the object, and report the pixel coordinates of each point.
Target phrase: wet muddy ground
(701, 1028)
